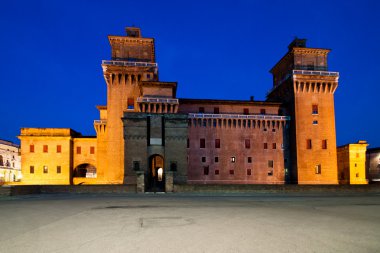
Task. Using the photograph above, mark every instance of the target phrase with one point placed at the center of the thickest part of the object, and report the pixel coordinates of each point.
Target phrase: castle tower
(301, 81)
(133, 61)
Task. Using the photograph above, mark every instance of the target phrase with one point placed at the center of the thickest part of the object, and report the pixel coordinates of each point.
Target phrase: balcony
(238, 116)
(100, 121)
(157, 100)
(130, 63)
(315, 73)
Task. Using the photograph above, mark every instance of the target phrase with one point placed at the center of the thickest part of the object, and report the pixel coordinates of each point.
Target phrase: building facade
(10, 162)
(147, 136)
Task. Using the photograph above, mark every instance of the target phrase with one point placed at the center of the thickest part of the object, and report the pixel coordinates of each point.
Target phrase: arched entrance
(85, 170)
(156, 174)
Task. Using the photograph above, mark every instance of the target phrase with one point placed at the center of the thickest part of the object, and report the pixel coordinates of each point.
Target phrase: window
(274, 145)
(308, 144)
(202, 143)
(31, 148)
(201, 110)
(205, 170)
(315, 122)
(262, 111)
(148, 76)
(216, 110)
(92, 150)
(314, 109)
(233, 159)
(356, 165)
(216, 172)
(318, 169)
(265, 145)
(357, 174)
(249, 172)
(245, 111)
(216, 159)
(357, 155)
(273, 130)
(232, 172)
(59, 148)
(45, 169)
(247, 143)
(173, 166)
(249, 159)
(79, 150)
(270, 163)
(58, 169)
(188, 143)
(31, 169)
(217, 143)
(131, 104)
(324, 144)
(203, 159)
(136, 165)
(45, 148)
(270, 172)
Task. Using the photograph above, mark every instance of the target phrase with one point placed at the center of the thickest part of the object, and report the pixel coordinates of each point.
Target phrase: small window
(45, 148)
(356, 165)
(264, 129)
(216, 172)
(262, 111)
(201, 110)
(216, 159)
(31, 148)
(203, 159)
(308, 144)
(173, 166)
(315, 122)
(92, 150)
(188, 143)
(31, 169)
(357, 174)
(324, 144)
(247, 143)
(202, 143)
(136, 165)
(245, 111)
(274, 145)
(148, 76)
(273, 130)
(232, 172)
(58, 169)
(217, 143)
(59, 148)
(205, 170)
(131, 104)
(79, 150)
(357, 155)
(270, 172)
(265, 145)
(249, 159)
(314, 109)
(249, 172)
(216, 110)
(270, 163)
(45, 169)
(318, 169)
(233, 159)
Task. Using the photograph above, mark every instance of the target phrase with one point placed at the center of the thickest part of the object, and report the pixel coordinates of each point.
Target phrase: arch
(156, 173)
(85, 170)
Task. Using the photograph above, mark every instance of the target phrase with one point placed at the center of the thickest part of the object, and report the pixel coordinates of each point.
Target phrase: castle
(147, 136)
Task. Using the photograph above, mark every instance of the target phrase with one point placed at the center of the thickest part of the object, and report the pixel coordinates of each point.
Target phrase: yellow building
(351, 163)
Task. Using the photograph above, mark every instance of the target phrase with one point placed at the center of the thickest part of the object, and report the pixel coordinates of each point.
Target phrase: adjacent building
(373, 165)
(147, 136)
(10, 162)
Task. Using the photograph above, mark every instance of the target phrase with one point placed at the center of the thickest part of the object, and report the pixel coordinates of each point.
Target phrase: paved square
(191, 223)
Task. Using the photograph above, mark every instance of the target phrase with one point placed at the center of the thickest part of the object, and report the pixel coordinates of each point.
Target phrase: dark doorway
(156, 175)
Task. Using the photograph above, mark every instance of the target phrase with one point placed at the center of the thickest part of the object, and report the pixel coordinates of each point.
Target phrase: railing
(157, 100)
(238, 116)
(316, 73)
(130, 63)
(101, 121)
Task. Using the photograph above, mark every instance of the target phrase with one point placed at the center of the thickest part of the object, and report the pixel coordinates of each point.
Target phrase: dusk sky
(51, 53)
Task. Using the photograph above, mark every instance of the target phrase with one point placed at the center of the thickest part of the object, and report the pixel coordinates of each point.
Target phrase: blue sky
(51, 52)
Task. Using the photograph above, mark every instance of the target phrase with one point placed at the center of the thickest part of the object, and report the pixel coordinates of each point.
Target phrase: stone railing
(130, 63)
(238, 116)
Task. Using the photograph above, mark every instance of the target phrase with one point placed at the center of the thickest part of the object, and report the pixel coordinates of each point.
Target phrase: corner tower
(302, 81)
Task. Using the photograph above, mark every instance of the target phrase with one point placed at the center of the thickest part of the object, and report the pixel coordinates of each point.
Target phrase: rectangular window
(245, 111)
(203, 159)
(45, 148)
(270, 163)
(249, 172)
(131, 104)
(92, 150)
(202, 143)
(216, 110)
(314, 109)
(308, 144)
(247, 143)
(315, 122)
(58, 169)
(217, 143)
(188, 143)
(270, 172)
(31, 148)
(232, 172)
(59, 148)
(249, 159)
(265, 145)
(79, 150)
(324, 144)
(201, 110)
(136, 165)
(216, 172)
(45, 169)
(274, 145)
(262, 111)
(216, 159)
(31, 169)
(357, 174)
(205, 170)
(233, 159)
(318, 169)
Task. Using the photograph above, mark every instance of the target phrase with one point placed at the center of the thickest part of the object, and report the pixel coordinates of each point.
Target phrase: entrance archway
(85, 170)
(156, 174)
